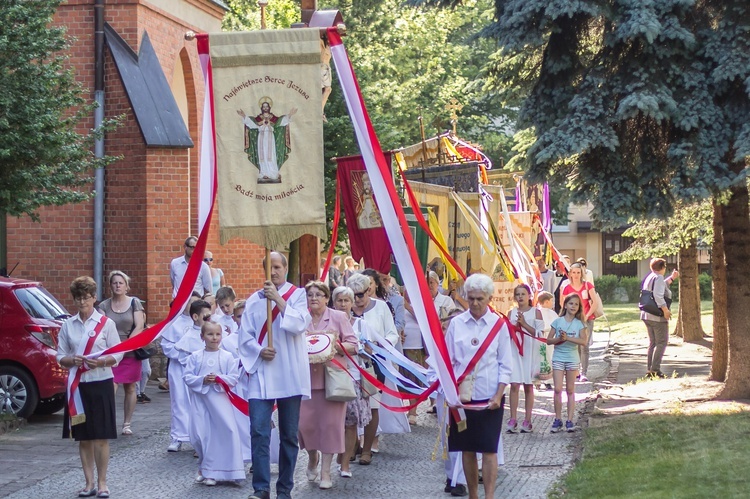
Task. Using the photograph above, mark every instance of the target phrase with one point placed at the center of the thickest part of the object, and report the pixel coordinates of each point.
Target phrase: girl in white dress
(529, 325)
(213, 429)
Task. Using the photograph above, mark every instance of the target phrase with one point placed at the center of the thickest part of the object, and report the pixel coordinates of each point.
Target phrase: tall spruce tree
(635, 104)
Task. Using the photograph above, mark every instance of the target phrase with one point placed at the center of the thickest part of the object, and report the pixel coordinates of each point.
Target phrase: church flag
(367, 235)
(267, 104)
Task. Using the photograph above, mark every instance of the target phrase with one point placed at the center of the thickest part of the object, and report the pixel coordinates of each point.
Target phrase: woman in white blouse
(377, 316)
(486, 383)
(81, 336)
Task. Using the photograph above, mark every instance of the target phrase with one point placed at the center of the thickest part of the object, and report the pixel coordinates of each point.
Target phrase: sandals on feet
(126, 429)
(365, 458)
(87, 492)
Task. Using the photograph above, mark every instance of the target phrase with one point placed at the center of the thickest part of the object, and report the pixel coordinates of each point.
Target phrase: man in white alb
(279, 375)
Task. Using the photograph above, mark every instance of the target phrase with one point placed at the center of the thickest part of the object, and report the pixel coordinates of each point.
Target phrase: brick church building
(150, 200)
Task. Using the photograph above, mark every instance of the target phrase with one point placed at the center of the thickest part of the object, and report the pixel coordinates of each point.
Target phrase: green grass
(624, 319)
(673, 456)
(661, 456)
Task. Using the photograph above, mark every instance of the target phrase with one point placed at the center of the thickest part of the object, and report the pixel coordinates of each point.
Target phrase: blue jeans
(260, 441)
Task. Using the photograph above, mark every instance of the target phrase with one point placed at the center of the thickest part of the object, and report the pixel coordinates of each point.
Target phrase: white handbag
(339, 385)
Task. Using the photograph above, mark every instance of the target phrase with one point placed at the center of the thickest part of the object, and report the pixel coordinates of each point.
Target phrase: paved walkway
(36, 462)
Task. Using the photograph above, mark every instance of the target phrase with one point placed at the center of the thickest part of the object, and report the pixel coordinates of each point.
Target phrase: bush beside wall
(612, 289)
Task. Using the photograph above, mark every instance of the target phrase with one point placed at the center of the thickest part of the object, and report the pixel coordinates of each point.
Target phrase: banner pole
(269, 318)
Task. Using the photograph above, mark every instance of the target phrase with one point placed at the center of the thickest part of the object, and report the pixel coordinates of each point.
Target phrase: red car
(31, 381)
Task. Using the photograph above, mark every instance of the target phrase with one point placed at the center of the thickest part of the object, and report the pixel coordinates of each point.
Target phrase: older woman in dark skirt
(81, 336)
(486, 383)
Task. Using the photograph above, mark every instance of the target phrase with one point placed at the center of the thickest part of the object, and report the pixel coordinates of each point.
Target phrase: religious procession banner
(367, 235)
(267, 102)
(421, 242)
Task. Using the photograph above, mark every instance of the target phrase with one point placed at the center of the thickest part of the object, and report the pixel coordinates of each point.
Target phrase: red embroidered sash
(274, 313)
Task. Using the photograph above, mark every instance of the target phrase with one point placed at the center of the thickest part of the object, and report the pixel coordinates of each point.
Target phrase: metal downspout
(99, 146)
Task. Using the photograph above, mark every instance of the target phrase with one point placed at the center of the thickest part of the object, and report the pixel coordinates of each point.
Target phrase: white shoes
(174, 446)
(312, 473)
(200, 478)
(326, 484)
(209, 482)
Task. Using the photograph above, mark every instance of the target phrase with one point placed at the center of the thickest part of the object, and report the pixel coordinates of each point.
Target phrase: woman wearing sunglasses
(378, 317)
(217, 275)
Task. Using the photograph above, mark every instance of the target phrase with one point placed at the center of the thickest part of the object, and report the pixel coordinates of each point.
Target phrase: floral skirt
(358, 410)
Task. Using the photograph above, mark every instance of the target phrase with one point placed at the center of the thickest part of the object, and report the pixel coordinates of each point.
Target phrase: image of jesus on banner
(267, 140)
(368, 216)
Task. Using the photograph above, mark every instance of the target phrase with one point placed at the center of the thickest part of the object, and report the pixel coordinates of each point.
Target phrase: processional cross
(454, 107)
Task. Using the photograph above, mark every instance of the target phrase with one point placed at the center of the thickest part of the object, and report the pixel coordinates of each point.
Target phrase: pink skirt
(127, 371)
(321, 424)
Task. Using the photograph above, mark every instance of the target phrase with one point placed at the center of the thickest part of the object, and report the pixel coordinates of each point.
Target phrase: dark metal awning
(148, 90)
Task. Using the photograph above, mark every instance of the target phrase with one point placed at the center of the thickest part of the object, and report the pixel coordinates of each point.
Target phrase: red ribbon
(335, 229)
(238, 402)
(517, 334)
(423, 224)
(274, 314)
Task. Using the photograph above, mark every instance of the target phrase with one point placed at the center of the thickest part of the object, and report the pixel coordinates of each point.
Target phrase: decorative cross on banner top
(454, 107)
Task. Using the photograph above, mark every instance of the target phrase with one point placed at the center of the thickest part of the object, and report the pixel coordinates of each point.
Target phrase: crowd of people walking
(300, 401)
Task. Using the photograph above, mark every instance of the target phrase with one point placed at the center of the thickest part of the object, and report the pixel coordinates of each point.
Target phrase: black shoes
(458, 491)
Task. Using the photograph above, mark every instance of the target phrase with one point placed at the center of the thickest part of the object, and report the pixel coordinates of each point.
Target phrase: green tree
(409, 61)
(44, 160)
(636, 104)
(680, 234)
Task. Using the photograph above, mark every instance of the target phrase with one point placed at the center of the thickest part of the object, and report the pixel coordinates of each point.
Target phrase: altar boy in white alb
(178, 392)
(280, 374)
(213, 428)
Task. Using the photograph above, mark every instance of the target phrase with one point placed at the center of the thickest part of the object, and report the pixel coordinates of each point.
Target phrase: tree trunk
(736, 228)
(690, 298)
(720, 351)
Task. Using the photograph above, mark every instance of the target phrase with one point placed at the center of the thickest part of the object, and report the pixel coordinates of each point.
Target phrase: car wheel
(50, 405)
(18, 393)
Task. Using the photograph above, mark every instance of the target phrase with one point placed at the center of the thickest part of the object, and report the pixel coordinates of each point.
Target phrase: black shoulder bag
(647, 302)
(143, 353)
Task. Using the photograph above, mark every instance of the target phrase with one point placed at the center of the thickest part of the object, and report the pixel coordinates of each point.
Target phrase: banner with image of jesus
(269, 135)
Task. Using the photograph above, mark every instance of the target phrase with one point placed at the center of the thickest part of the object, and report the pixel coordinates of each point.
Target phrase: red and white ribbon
(394, 219)
(206, 199)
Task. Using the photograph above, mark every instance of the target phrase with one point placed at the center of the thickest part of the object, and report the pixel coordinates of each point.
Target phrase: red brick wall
(150, 200)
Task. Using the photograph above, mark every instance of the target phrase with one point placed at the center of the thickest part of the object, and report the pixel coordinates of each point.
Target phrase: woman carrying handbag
(657, 325)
